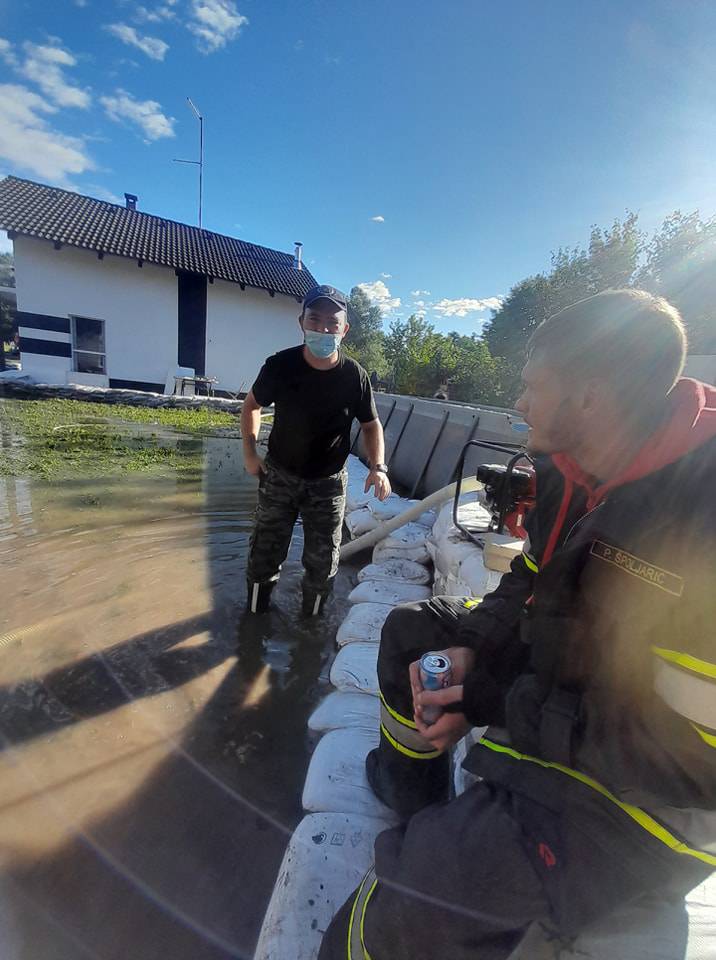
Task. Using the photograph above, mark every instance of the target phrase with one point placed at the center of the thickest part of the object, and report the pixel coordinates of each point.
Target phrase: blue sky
(435, 152)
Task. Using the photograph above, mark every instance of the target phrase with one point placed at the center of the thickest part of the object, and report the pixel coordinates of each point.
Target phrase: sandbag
(356, 668)
(475, 574)
(363, 623)
(388, 591)
(326, 859)
(471, 513)
(393, 506)
(405, 543)
(336, 780)
(360, 521)
(340, 710)
(383, 551)
(407, 571)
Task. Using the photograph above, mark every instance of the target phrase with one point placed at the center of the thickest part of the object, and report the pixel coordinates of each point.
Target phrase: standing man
(593, 666)
(317, 391)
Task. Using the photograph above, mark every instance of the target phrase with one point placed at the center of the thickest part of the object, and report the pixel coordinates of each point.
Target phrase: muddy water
(152, 737)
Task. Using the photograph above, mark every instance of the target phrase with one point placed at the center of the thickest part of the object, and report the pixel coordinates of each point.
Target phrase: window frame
(93, 353)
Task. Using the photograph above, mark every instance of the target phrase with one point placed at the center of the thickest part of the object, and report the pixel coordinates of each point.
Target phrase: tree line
(678, 262)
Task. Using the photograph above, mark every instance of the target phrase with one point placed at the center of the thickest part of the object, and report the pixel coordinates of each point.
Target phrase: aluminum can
(435, 673)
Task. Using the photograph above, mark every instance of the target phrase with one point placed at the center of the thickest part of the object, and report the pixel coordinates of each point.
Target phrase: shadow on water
(155, 774)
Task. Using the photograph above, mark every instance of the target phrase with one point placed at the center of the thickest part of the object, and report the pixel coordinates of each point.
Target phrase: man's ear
(596, 395)
(346, 328)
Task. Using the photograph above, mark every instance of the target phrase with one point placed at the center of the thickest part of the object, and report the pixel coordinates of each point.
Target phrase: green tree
(610, 260)
(364, 341)
(680, 265)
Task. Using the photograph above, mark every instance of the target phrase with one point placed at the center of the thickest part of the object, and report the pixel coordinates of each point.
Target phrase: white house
(110, 296)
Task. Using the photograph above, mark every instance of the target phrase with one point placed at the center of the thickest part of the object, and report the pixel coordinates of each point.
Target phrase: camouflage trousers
(283, 498)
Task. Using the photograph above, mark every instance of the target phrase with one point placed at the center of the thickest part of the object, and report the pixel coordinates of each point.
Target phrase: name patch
(656, 576)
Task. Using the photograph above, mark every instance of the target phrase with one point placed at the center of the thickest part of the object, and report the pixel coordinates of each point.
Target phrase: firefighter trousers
(283, 498)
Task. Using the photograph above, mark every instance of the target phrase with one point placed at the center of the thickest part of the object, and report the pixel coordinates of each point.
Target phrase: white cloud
(214, 23)
(102, 193)
(464, 305)
(80, 3)
(5, 242)
(419, 293)
(378, 219)
(379, 295)
(154, 48)
(147, 114)
(387, 276)
(157, 15)
(30, 144)
(45, 66)
(6, 52)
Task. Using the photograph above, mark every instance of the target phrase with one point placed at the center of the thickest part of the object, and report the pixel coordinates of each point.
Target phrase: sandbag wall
(332, 847)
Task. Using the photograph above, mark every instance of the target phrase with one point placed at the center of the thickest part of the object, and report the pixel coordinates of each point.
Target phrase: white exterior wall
(243, 328)
(138, 305)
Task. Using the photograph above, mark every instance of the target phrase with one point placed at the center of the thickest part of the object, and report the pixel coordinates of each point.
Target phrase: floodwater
(152, 737)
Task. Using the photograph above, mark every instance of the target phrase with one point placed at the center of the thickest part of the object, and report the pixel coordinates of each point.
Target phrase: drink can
(435, 673)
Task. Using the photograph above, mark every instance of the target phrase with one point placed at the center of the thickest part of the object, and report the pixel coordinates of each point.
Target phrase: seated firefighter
(593, 665)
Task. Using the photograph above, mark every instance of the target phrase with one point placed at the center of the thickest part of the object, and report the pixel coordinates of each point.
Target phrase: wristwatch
(381, 468)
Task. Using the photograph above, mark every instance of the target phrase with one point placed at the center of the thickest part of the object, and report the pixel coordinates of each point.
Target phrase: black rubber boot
(258, 596)
(313, 603)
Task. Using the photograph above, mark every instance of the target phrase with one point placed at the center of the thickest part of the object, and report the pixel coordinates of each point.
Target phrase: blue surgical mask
(321, 345)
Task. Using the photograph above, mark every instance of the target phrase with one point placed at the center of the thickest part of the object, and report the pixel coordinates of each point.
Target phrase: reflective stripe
(413, 754)
(405, 736)
(255, 597)
(356, 944)
(394, 713)
(709, 738)
(688, 694)
(470, 602)
(685, 660)
(316, 604)
(636, 813)
(530, 564)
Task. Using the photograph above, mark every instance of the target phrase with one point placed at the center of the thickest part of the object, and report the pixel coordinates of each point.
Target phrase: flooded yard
(153, 738)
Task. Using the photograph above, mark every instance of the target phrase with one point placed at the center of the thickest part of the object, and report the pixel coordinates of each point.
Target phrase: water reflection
(154, 738)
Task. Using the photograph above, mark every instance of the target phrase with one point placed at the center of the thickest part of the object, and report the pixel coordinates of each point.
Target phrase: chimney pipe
(297, 262)
(131, 201)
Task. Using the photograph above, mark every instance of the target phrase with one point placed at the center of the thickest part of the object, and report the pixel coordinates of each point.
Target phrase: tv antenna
(200, 162)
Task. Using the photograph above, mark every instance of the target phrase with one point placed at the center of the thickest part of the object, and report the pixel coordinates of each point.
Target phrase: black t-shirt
(313, 410)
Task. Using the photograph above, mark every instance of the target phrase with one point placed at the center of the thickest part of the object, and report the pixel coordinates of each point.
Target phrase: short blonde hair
(630, 338)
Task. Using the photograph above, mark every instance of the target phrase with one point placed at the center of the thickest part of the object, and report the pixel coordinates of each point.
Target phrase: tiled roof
(37, 210)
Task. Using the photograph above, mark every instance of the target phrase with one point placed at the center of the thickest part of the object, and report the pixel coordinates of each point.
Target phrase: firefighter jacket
(597, 653)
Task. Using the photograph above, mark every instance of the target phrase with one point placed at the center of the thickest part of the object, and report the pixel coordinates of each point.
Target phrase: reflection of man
(317, 391)
(593, 665)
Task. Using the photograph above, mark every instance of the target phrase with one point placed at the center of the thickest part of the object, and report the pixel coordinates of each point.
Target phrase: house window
(88, 353)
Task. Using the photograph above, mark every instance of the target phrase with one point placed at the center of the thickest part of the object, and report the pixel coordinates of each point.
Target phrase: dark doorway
(191, 289)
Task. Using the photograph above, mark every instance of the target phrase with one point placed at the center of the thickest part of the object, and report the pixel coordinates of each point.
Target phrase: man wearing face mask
(317, 391)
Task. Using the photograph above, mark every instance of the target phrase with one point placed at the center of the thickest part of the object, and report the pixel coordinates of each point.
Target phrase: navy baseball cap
(325, 292)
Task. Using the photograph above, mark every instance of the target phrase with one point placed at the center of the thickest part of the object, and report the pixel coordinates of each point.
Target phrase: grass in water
(53, 439)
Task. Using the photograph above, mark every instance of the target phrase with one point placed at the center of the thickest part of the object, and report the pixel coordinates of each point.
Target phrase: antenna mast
(200, 162)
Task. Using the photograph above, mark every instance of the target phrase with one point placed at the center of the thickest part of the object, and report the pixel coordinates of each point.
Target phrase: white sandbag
(326, 859)
(356, 668)
(471, 513)
(447, 553)
(363, 623)
(407, 543)
(407, 571)
(336, 780)
(360, 521)
(388, 591)
(383, 551)
(390, 507)
(475, 574)
(340, 710)
(356, 496)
